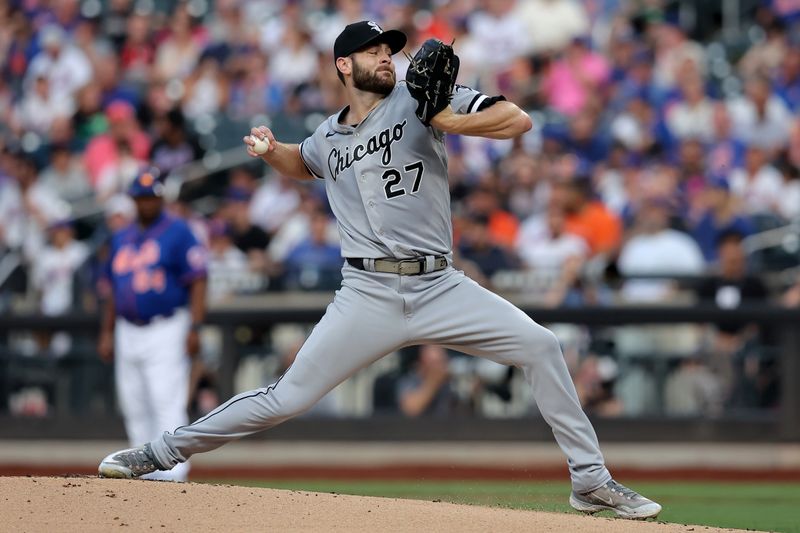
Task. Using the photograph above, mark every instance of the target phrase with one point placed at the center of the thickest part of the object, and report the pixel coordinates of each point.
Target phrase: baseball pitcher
(384, 164)
(157, 272)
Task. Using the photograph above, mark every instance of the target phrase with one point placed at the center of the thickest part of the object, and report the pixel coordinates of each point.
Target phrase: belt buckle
(406, 268)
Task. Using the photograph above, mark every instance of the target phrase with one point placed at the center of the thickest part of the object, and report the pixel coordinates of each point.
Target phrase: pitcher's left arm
(501, 120)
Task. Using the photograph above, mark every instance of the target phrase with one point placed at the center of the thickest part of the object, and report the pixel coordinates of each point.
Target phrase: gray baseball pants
(374, 314)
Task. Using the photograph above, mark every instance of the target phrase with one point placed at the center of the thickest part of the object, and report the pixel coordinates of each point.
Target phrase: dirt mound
(88, 504)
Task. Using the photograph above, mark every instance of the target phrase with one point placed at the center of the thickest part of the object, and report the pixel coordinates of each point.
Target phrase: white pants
(152, 376)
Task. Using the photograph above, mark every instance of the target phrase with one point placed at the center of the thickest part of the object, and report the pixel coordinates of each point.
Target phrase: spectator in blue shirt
(314, 264)
(586, 139)
(725, 152)
(787, 79)
(721, 217)
(477, 247)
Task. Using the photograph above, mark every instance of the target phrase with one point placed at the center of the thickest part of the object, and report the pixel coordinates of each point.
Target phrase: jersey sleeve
(311, 153)
(466, 100)
(191, 256)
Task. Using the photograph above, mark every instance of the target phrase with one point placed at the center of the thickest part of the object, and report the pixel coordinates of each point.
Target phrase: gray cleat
(129, 463)
(615, 497)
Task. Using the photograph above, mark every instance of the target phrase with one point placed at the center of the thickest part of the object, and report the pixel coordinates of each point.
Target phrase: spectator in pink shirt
(575, 78)
(123, 128)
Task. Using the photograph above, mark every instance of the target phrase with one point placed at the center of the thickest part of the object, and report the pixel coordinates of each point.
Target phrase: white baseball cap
(120, 204)
(52, 34)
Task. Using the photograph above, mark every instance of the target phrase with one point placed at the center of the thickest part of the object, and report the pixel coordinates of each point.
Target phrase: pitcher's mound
(86, 504)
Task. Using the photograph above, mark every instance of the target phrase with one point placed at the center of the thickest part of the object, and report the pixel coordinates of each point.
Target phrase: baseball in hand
(260, 146)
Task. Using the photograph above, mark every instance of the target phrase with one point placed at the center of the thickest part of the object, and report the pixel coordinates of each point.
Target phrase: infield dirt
(88, 504)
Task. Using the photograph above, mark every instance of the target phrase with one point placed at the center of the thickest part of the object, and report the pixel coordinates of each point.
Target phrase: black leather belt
(403, 267)
(147, 322)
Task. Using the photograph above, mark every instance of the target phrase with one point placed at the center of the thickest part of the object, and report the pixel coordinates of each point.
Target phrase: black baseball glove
(431, 77)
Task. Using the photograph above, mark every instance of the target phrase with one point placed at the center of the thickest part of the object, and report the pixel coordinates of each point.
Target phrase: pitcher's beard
(364, 80)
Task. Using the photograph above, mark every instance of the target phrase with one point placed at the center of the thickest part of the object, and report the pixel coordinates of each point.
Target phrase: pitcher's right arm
(284, 158)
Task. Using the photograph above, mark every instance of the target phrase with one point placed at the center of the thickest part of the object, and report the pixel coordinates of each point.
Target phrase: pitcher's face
(373, 69)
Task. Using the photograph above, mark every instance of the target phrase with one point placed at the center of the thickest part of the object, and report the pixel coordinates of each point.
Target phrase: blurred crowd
(660, 152)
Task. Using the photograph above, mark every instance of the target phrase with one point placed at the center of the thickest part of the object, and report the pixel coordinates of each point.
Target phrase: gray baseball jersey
(386, 180)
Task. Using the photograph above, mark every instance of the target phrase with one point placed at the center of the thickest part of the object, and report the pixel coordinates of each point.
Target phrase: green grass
(762, 506)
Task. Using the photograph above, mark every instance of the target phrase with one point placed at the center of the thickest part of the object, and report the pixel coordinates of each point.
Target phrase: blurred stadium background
(651, 218)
